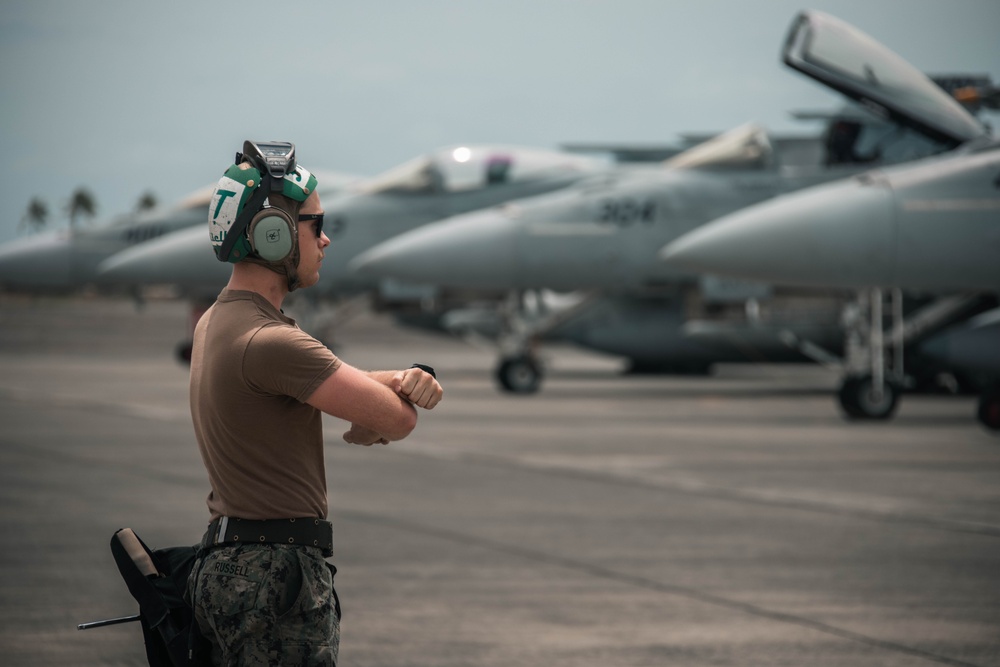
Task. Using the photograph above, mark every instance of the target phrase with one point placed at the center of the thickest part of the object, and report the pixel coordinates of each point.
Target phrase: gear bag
(157, 580)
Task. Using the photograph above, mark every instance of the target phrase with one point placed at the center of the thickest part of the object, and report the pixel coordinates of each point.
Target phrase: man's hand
(359, 435)
(418, 387)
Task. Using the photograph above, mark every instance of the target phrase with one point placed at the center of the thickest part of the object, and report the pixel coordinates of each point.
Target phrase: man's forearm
(382, 377)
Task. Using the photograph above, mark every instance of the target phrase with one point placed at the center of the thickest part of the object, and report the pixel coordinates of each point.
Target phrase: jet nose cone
(837, 235)
(472, 250)
(124, 267)
(38, 261)
(182, 258)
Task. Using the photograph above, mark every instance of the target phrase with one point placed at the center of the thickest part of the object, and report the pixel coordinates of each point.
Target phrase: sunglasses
(317, 217)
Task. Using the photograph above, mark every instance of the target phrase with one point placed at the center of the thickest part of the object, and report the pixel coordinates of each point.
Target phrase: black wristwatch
(426, 369)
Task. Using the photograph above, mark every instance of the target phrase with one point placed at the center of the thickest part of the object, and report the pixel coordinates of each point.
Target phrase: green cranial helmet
(254, 210)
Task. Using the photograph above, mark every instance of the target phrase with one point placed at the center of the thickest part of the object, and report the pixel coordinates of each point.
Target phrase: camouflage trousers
(266, 604)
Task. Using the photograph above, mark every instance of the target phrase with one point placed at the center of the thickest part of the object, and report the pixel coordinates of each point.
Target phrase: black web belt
(301, 532)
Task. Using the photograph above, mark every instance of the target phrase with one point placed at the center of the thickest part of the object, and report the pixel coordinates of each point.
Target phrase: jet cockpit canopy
(744, 147)
(468, 167)
(842, 57)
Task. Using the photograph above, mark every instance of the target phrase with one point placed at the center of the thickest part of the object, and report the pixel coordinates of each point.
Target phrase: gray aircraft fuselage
(363, 221)
(932, 226)
(354, 222)
(972, 346)
(657, 334)
(607, 234)
(67, 259)
(604, 233)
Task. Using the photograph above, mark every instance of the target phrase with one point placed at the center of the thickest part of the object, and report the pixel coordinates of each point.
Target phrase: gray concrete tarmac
(608, 520)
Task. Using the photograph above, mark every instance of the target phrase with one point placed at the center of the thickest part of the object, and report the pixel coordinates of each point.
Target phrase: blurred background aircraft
(430, 187)
(604, 235)
(67, 260)
(387, 84)
(387, 104)
(926, 235)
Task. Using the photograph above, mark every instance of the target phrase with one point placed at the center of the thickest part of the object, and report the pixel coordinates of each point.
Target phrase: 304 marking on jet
(626, 211)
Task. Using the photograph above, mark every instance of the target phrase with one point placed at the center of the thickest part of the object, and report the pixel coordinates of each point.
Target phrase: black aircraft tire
(988, 412)
(183, 351)
(519, 375)
(857, 399)
(845, 399)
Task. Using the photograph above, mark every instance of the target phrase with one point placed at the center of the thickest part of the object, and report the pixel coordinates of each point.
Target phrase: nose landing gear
(861, 398)
(876, 377)
(872, 386)
(520, 374)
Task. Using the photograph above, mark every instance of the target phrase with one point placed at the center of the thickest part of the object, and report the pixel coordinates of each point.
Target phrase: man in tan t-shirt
(261, 589)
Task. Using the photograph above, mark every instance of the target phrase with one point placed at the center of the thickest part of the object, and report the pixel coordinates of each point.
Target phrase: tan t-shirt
(252, 368)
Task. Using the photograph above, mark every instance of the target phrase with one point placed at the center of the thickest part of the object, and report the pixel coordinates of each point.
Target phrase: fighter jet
(445, 182)
(929, 227)
(605, 233)
(66, 260)
(193, 267)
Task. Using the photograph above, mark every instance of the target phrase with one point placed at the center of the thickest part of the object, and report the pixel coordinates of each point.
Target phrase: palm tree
(146, 202)
(35, 217)
(80, 203)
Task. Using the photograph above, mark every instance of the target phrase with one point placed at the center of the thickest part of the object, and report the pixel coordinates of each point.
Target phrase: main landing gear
(875, 377)
(525, 318)
(521, 374)
(861, 398)
(871, 387)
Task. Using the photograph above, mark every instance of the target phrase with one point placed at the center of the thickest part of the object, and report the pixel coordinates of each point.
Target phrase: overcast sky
(124, 97)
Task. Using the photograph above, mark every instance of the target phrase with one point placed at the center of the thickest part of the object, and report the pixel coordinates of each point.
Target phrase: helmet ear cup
(272, 234)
